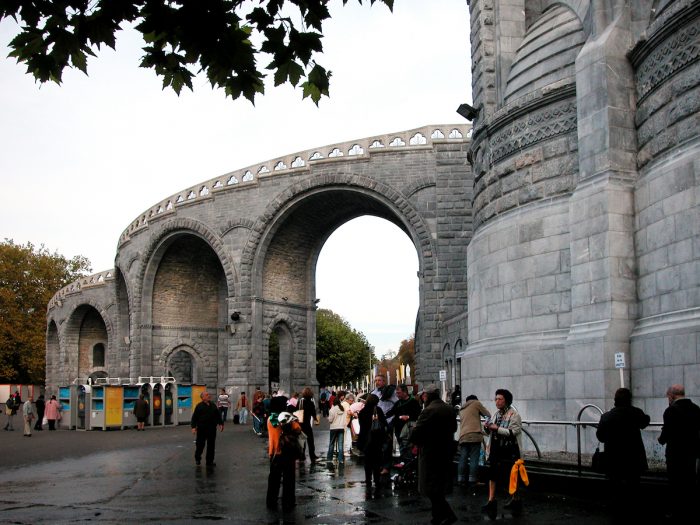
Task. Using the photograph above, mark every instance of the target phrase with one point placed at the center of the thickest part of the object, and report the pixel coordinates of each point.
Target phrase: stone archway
(182, 365)
(285, 255)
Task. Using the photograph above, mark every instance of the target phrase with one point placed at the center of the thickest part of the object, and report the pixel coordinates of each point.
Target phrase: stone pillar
(603, 268)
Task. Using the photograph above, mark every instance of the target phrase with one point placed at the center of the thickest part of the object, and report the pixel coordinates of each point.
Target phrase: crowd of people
(488, 445)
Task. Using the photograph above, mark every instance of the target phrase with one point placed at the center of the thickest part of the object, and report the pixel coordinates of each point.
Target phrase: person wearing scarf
(504, 428)
(282, 460)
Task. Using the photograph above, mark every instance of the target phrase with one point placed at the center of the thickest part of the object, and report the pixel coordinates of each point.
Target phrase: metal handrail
(578, 424)
(537, 448)
(578, 431)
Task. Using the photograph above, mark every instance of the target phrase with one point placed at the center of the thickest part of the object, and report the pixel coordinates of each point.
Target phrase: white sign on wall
(619, 360)
(443, 375)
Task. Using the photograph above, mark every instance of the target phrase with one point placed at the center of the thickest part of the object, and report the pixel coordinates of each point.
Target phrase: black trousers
(309, 439)
(282, 469)
(440, 509)
(205, 437)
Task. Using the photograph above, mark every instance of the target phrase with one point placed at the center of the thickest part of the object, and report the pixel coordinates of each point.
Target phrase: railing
(578, 424)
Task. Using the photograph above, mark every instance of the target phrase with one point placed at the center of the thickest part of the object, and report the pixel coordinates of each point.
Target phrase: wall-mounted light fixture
(468, 112)
(236, 316)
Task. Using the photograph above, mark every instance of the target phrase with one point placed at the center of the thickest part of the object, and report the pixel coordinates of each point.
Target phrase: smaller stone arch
(448, 364)
(69, 339)
(236, 223)
(199, 361)
(289, 334)
(424, 182)
(283, 319)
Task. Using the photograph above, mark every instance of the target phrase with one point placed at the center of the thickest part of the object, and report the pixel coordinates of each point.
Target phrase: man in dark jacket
(434, 435)
(205, 419)
(681, 435)
(405, 411)
(620, 430)
(40, 404)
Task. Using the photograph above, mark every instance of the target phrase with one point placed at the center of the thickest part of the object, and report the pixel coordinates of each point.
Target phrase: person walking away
(504, 428)
(338, 423)
(471, 439)
(40, 405)
(205, 419)
(10, 411)
(141, 411)
(53, 412)
(373, 435)
(28, 415)
(243, 407)
(405, 413)
(434, 436)
(620, 430)
(223, 402)
(681, 435)
(310, 417)
(387, 398)
(323, 401)
(283, 432)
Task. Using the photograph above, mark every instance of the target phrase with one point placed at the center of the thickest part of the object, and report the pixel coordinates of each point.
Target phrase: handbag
(506, 448)
(299, 414)
(377, 425)
(598, 461)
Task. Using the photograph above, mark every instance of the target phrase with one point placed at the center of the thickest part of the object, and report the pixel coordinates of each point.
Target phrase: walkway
(129, 476)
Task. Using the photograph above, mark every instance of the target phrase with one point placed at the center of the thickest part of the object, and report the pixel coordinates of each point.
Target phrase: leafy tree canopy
(29, 277)
(183, 38)
(394, 361)
(407, 353)
(343, 354)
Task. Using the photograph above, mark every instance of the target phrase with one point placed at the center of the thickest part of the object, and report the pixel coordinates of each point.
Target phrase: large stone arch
(279, 262)
(404, 215)
(208, 326)
(183, 225)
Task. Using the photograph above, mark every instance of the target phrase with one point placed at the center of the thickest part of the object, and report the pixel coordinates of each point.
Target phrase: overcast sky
(79, 162)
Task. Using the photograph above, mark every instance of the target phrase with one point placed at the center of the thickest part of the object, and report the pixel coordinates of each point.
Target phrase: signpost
(620, 365)
(443, 378)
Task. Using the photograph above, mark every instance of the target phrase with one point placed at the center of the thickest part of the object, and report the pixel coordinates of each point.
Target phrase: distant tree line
(29, 277)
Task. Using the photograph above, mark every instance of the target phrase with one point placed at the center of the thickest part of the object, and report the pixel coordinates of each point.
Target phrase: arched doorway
(182, 366)
(280, 366)
(92, 341)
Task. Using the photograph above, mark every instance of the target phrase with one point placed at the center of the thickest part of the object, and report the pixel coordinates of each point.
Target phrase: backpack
(292, 444)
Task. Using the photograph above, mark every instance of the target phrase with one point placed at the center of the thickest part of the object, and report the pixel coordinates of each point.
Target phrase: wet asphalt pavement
(128, 476)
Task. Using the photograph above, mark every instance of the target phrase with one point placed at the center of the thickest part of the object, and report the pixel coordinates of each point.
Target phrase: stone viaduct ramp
(246, 244)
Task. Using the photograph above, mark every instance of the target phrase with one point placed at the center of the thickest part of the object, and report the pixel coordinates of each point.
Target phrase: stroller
(405, 473)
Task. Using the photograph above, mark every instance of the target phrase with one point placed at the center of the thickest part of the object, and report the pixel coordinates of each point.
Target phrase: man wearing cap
(205, 419)
(434, 436)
